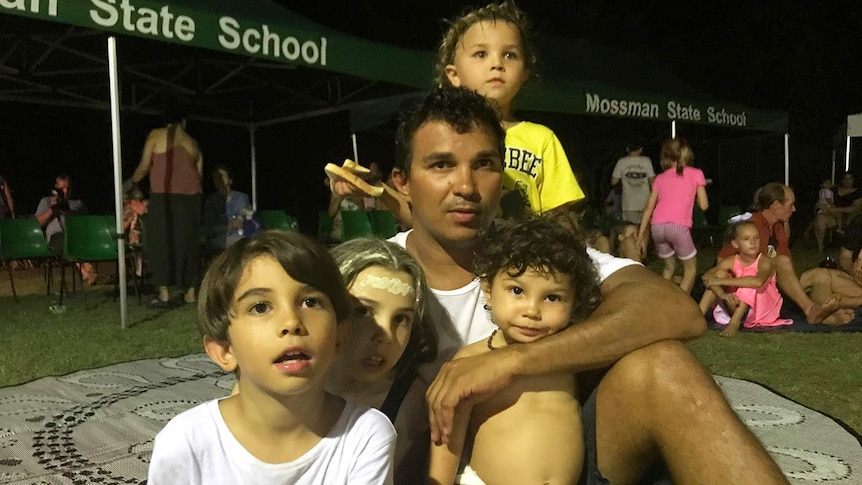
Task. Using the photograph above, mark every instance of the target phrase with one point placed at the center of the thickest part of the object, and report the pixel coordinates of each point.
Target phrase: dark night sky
(789, 55)
(799, 56)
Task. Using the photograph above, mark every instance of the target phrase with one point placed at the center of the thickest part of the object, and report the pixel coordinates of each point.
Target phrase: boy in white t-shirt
(636, 173)
(271, 307)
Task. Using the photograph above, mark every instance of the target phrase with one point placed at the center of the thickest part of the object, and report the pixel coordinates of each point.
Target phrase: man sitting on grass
(846, 281)
(775, 203)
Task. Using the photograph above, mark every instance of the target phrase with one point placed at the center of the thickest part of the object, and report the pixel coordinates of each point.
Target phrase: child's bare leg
(735, 321)
(707, 301)
(669, 268)
(689, 271)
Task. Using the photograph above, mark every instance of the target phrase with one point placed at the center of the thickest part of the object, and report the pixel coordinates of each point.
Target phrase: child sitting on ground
(271, 307)
(538, 280)
(626, 237)
(752, 294)
(389, 338)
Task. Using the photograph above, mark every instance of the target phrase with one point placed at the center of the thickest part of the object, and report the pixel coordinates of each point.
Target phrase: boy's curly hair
(505, 11)
(542, 244)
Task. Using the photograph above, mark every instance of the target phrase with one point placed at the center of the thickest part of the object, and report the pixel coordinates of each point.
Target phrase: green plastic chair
(88, 238)
(383, 223)
(699, 224)
(277, 219)
(355, 224)
(22, 239)
(324, 225)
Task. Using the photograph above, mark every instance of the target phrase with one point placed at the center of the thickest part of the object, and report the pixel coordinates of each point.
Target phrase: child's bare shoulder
(476, 348)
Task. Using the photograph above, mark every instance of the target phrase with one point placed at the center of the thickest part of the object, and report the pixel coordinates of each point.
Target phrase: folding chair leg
(77, 271)
(62, 281)
(12, 281)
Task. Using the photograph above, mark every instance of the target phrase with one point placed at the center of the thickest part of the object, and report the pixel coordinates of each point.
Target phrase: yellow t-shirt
(536, 171)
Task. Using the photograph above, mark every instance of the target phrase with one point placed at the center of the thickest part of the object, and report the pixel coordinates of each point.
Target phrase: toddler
(538, 280)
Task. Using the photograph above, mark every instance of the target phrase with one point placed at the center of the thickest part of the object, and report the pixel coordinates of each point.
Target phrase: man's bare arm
(638, 308)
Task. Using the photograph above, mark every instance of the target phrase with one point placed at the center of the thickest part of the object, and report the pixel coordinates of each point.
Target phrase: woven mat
(97, 426)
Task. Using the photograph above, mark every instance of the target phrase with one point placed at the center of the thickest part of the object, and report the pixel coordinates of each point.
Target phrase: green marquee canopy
(585, 79)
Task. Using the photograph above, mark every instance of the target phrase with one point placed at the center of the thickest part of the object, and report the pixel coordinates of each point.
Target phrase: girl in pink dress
(749, 276)
(669, 211)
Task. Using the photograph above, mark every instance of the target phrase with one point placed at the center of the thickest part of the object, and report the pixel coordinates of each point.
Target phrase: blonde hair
(505, 11)
(676, 152)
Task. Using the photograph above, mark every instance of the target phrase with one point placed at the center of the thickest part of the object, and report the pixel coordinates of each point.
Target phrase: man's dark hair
(542, 244)
(462, 109)
(635, 143)
(769, 193)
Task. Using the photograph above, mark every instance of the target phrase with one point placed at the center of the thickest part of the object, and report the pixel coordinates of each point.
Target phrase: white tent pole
(118, 172)
(787, 159)
(251, 129)
(355, 151)
(833, 167)
(847, 156)
(673, 129)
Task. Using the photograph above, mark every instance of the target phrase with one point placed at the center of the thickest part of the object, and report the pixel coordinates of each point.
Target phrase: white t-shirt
(196, 447)
(460, 316)
(634, 173)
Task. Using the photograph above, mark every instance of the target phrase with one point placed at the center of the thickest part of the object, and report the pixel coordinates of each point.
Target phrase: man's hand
(472, 379)
(348, 180)
(58, 206)
(235, 223)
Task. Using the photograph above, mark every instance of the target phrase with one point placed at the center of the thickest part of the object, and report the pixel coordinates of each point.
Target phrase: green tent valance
(578, 77)
(247, 28)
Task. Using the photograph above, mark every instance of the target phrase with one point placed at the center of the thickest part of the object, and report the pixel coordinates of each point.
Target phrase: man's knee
(814, 277)
(661, 370)
(782, 261)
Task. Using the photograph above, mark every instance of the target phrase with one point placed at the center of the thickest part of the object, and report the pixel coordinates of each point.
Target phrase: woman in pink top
(174, 163)
(669, 210)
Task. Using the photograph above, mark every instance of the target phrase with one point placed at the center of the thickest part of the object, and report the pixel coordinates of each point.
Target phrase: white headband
(394, 286)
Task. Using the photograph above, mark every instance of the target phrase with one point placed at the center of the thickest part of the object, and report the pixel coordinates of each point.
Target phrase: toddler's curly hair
(541, 244)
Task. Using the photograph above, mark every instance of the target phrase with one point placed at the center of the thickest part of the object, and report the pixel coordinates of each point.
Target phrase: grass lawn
(822, 371)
